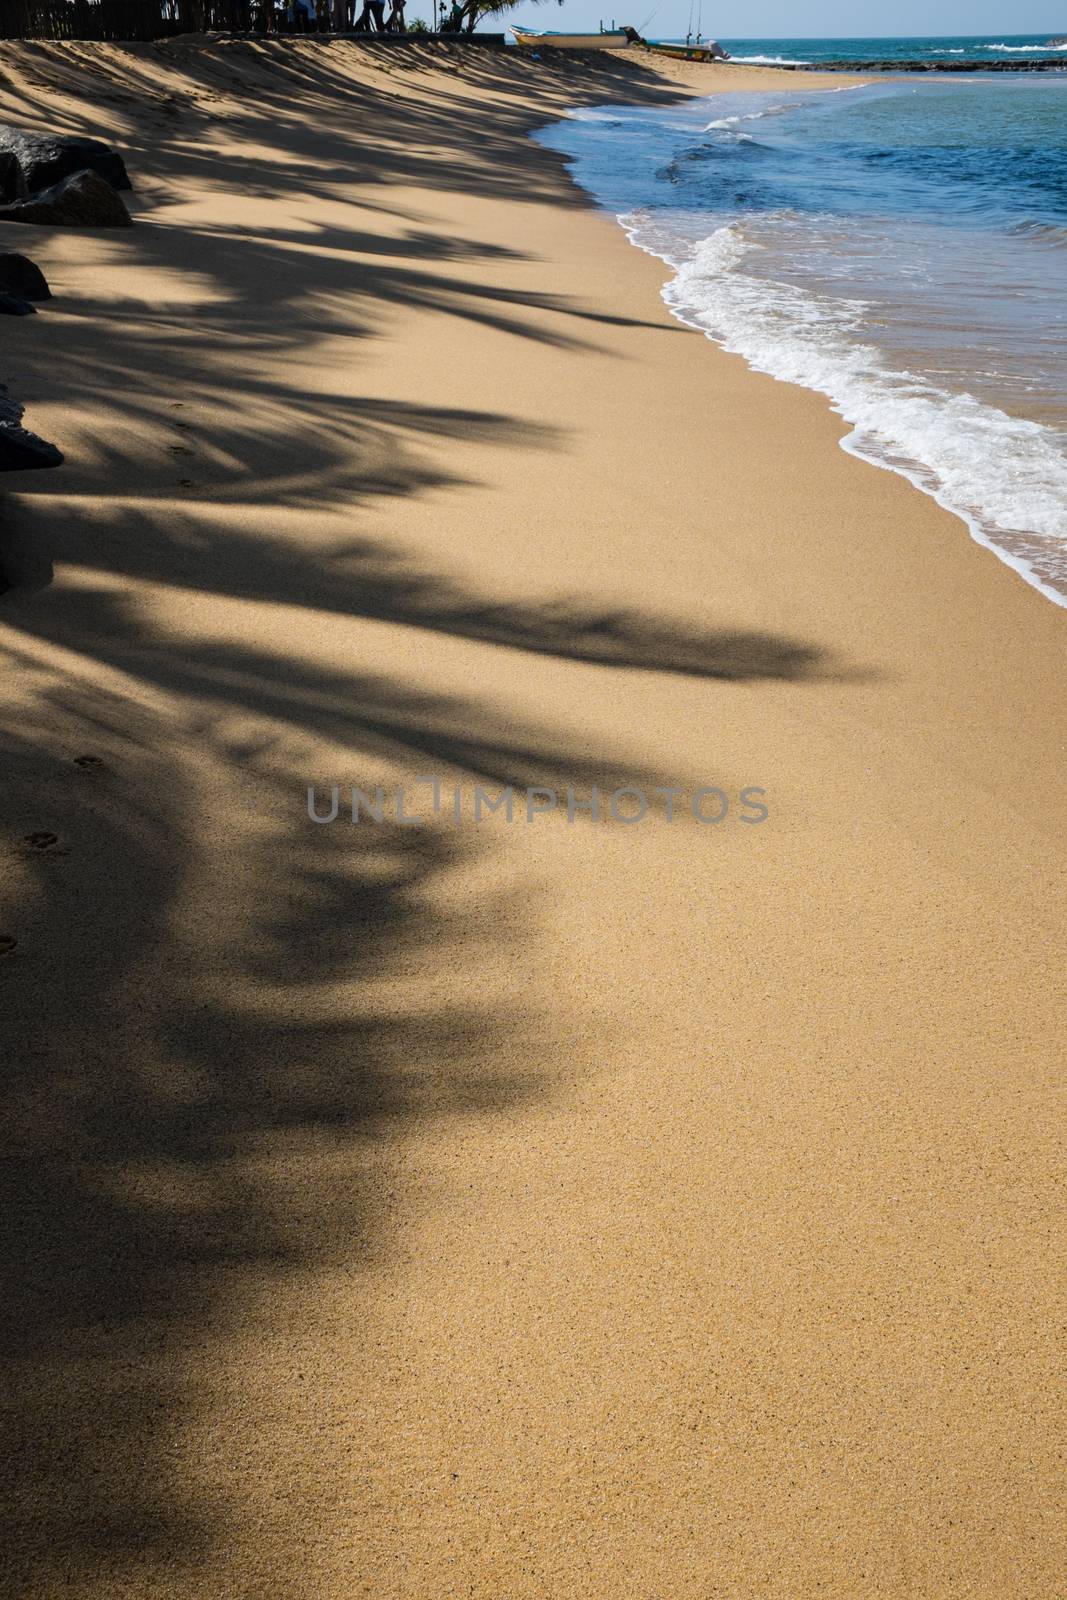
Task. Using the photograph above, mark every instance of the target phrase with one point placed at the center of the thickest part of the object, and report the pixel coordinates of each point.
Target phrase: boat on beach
(537, 38)
(702, 50)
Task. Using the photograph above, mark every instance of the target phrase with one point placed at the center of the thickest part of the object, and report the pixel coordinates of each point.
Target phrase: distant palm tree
(471, 11)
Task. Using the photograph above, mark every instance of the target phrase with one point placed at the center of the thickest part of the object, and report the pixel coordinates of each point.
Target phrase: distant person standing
(395, 22)
(373, 11)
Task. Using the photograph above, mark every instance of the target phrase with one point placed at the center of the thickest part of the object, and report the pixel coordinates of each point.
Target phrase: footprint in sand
(89, 763)
(7, 943)
(179, 450)
(42, 840)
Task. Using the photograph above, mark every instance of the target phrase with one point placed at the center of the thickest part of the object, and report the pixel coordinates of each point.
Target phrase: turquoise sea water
(901, 248)
(981, 50)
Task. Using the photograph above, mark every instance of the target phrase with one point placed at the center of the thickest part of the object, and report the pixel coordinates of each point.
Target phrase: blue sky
(769, 19)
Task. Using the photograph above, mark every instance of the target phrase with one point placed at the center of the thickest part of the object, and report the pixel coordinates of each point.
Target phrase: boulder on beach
(10, 176)
(84, 200)
(20, 449)
(23, 277)
(42, 159)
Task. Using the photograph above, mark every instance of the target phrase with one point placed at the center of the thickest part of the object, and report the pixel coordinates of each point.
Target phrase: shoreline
(1022, 550)
(1018, 564)
(470, 1209)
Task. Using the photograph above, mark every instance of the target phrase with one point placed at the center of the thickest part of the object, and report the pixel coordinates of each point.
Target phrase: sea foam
(769, 61)
(1005, 476)
(890, 249)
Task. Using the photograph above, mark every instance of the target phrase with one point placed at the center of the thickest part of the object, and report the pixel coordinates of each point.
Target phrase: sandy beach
(536, 1210)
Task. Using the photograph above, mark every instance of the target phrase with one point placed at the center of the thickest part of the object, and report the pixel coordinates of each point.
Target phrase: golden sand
(530, 1211)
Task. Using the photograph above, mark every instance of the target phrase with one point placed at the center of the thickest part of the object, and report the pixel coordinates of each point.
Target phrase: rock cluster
(51, 180)
(60, 180)
(31, 161)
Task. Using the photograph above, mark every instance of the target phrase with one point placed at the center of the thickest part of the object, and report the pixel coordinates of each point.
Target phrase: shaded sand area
(572, 1209)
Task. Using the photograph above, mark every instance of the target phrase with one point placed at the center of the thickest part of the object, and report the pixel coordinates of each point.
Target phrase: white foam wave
(771, 61)
(1026, 49)
(727, 126)
(1006, 477)
(751, 116)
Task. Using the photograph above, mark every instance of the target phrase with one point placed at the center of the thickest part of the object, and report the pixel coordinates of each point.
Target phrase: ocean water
(981, 50)
(899, 247)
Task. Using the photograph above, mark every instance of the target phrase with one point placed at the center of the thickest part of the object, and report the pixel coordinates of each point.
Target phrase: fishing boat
(701, 50)
(540, 38)
(694, 47)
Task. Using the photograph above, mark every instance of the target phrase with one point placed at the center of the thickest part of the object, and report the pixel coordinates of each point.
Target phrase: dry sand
(532, 1211)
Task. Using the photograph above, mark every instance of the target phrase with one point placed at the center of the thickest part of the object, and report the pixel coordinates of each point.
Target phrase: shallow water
(901, 248)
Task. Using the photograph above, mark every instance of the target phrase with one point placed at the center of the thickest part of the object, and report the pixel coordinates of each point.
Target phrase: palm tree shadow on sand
(181, 1016)
(209, 994)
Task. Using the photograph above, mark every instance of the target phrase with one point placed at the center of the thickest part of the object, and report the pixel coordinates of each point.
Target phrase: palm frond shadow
(136, 1213)
(201, 1016)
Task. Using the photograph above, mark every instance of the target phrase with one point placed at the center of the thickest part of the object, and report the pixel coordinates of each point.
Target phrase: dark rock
(84, 200)
(10, 176)
(42, 159)
(20, 449)
(19, 275)
(12, 306)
